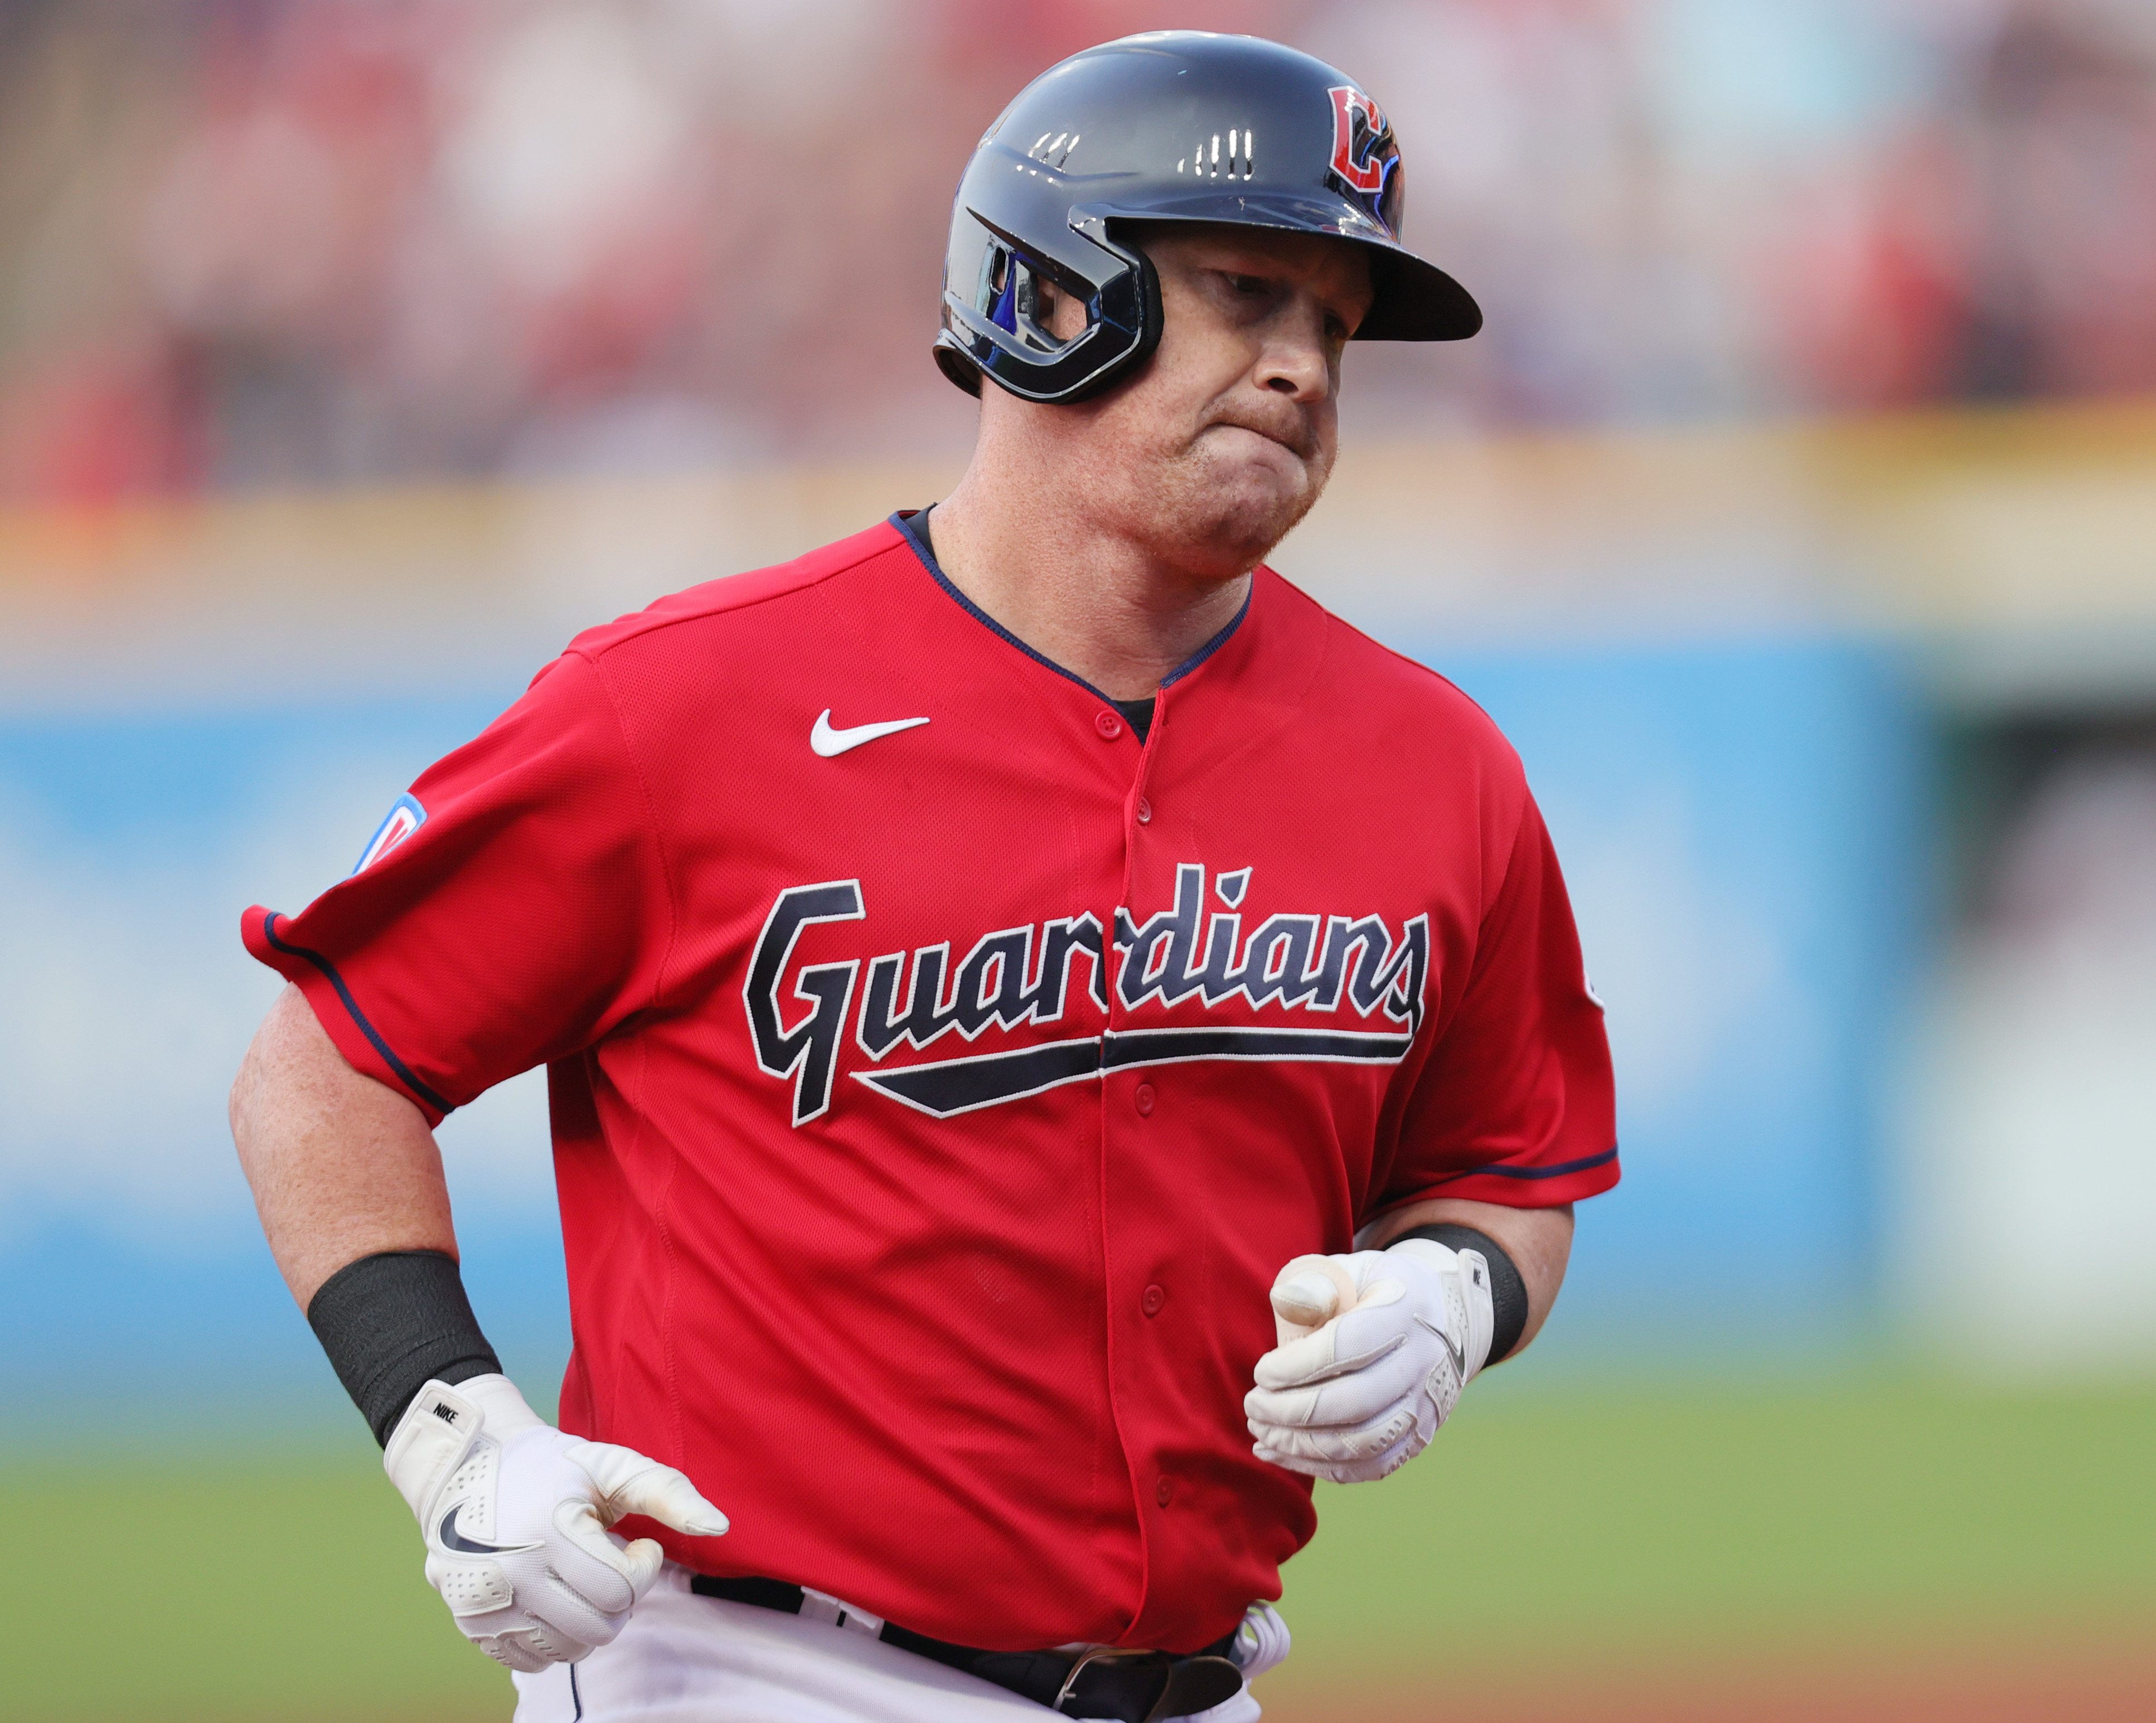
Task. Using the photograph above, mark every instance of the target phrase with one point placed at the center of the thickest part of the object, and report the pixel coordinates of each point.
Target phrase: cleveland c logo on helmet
(1364, 152)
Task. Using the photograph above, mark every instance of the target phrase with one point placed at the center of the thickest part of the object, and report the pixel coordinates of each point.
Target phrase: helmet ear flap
(999, 330)
(1007, 294)
(1146, 281)
(1130, 304)
(955, 366)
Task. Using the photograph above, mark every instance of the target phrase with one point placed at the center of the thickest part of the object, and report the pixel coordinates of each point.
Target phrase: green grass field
(1549, 1531)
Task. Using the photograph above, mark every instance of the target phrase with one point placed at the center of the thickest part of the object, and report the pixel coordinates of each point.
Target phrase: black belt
(1131, 1686)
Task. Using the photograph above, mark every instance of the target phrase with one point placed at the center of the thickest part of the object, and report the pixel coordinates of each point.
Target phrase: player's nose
(1296, 360)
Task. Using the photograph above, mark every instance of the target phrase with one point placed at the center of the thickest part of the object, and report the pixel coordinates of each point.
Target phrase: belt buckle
(1099, 1654)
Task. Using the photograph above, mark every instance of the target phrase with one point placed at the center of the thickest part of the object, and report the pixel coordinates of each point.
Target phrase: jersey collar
(917, 540)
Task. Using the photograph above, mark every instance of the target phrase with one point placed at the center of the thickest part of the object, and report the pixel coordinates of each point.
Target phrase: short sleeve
(521, 916)
(1516, 1103)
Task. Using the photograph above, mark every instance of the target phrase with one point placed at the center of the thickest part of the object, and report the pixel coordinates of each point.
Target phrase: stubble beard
(1216, 516)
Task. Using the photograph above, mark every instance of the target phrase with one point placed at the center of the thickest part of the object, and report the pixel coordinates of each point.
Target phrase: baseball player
(1054, 1041)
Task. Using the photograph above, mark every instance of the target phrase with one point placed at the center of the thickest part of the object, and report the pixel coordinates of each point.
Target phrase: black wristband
(1508, 1292)
(390, 1322)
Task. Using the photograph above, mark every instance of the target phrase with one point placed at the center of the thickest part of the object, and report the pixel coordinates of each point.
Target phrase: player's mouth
(1292, 434)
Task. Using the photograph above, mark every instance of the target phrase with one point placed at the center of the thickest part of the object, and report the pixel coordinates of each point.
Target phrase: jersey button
(1142, 1100)
(1145, 812)
(1109, 724)
(1155, 1297)
(1164, 1491)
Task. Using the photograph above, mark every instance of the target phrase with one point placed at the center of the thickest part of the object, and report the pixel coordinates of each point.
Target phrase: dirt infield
(2101, 1682)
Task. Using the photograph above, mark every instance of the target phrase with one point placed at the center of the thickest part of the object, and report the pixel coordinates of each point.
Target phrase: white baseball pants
(683, 1658)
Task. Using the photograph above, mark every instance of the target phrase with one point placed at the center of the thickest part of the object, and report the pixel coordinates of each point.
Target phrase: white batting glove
(1262, 1642)
(515, 1515)
(1374, 1348)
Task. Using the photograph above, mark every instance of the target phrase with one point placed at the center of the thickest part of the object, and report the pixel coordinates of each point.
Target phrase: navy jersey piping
(904, 522)
(1216, 643)
(404, 1073)
(1586, 1163)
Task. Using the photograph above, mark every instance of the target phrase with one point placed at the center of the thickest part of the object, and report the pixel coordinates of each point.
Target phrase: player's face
(1223, 442)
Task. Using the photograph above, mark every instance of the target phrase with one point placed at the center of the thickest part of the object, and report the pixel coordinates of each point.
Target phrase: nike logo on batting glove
(559, 1583)
(1451, 1345)
(454, 1540)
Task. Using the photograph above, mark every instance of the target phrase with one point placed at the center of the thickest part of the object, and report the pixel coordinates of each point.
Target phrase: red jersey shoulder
(736, 595)
(1367, 685)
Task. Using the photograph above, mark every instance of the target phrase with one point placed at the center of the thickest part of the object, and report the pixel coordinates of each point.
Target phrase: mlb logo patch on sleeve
(405, 817)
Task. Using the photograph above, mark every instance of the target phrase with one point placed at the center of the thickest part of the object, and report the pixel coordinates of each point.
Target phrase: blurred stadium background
(1796, 514)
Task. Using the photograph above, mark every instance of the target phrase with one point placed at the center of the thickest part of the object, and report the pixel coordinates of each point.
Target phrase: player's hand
(515, 1515)
(1374, 1348)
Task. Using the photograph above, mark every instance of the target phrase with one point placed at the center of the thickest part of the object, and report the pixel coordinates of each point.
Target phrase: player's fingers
(555, 1643)
(1330, 1471)
(1381, 1290)
(670, 1498)
(1337, 1471)
(1348, 1400)
(1340, 1441)
(1311, 1290)
(1285, 1406)
(632, 1483)
(514, 1651)
(1305, 1301)
(642, 1560)
(1298, 1360)
(559, 1596)
(618, 1574)
(591, 1564)
(1333, 1350)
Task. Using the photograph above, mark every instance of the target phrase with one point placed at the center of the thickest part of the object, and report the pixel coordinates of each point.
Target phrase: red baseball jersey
(940, 1075)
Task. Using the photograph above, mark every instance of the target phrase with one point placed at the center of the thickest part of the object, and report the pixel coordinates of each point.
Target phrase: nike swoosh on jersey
(830, 743)
(452, 1539)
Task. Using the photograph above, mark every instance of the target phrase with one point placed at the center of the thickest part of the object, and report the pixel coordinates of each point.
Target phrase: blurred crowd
(248, 242)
